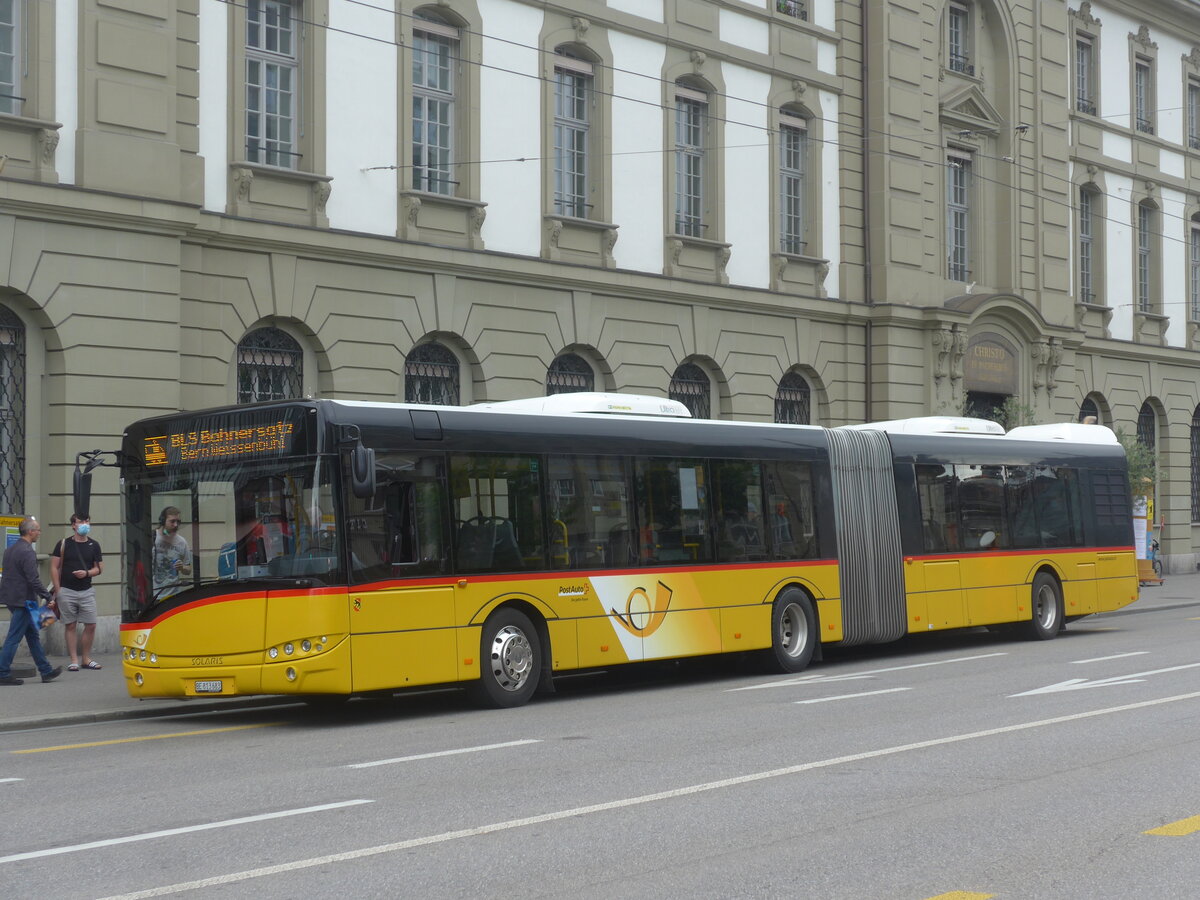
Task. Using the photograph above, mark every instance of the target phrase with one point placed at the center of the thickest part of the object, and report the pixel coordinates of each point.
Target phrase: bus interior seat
(488, 543)
(620, 550)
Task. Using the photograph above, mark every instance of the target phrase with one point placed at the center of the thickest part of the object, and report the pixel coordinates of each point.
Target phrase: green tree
(1010, 414)
(1143, 467)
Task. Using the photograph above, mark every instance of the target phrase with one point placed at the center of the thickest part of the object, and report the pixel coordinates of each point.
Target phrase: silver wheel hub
(1045, 608)
(511, 658)
(793, 630)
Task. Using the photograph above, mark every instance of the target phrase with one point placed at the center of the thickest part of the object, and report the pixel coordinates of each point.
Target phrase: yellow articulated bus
(326, 548)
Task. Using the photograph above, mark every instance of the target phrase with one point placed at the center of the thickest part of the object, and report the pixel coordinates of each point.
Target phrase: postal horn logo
(644, 616)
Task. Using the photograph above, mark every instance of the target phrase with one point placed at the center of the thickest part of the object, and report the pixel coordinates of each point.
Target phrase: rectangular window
(10, 58)
(400, 530)
(1085, 100)
(1144, 256)
(793, 157)
(939, 507)
(959, 39)
(691, 123)
(572, 103)
(589, 513)
(435, 49)
(958, 217)
(272, 64)
(497, 504)
(1143, 96)
(738, 503)
(672, 504)
(981, 502)
(1086, 232)
(1193, 114)
(1194, 281)
(1044, 506)
(789, 521)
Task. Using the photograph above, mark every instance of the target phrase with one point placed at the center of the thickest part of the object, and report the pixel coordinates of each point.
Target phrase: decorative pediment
(966, 109)
(1083, 16)
(1143, 38)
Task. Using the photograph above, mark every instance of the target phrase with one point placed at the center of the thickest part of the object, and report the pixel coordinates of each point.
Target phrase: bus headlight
(289, 648)
(290, 673)
(306, 645)
(273, 652)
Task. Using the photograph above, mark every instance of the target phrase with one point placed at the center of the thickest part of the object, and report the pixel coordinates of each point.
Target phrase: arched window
(1147, 427)
(431, 376)
(12, 412)
(1089, 410)
(691, 387)
(568, 374)
(270, 366)
(1196, 465)
(793, 400)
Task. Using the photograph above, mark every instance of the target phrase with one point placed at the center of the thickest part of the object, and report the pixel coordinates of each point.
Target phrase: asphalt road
(967, 766)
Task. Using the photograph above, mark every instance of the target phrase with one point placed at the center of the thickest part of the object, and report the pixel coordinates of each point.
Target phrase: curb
(176, 708)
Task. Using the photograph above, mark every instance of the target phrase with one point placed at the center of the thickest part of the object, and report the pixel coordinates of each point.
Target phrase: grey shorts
(77, 606)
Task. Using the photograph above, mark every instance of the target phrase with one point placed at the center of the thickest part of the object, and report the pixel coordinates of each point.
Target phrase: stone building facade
(798, 210)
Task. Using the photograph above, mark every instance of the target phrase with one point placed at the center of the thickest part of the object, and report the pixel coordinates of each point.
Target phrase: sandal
(92, 665)
(73, 667)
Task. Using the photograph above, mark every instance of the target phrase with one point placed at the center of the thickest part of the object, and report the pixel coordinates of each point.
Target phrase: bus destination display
(201, 441)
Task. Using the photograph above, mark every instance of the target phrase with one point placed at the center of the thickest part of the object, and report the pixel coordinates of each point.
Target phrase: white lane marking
(853, 696)
(168, 832)
(819, 679)
(400, 759)
(705, 787)
(1078, 684)
(1080, 662)
(7, 780)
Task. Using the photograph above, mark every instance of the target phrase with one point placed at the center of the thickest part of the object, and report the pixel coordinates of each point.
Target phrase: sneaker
(57, 671)
(11, 680)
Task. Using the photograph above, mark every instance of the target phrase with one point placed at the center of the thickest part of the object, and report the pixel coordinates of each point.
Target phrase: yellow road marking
(962, 895)
(149, 737)
(1177, 829)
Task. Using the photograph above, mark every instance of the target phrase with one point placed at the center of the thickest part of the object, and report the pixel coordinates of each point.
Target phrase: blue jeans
(21, 625)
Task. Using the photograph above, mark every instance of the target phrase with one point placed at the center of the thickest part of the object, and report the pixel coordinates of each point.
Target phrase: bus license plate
(208, 687)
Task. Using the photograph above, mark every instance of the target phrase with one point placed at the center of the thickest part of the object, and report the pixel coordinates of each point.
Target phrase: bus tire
(794, 631)
(510, 660)
(1046, 604)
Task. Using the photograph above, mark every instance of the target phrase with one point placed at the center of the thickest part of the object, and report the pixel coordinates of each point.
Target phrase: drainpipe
(868, 290)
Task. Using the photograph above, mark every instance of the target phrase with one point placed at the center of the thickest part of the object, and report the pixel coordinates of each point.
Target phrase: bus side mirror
(81, 493)
(362, 471)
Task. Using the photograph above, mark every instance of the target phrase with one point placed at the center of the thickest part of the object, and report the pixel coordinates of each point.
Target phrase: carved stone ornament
(610, 240)
(1143, 37)
(723, 256)
(581, 25)
(674, 251)
(321, 191)
(1084, 15)
(553, 232)
(243, 179)
(48, 138)
(942, 341)
(478, 214)
(798, 88)
(413, 210)
(957, 354)
(699, 58)
(1193, 59)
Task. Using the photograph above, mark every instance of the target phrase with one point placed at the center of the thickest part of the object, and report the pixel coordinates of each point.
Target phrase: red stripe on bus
(227, 598)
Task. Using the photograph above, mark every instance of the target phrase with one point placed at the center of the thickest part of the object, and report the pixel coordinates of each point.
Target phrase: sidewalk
(97, 696)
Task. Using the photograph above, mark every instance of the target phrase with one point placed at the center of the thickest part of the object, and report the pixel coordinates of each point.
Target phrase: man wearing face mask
(73, 564)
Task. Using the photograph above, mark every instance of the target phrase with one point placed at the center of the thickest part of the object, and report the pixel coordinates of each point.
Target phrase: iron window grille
(1088, 409)
(569, 374)
(270, 366)
(793, 159)
(691, 122)
(434, 57)
(1147, 427)
(431, 376)
(12, 412)
(572, 108)
(793, 401)
(691, 387)
(272, 65)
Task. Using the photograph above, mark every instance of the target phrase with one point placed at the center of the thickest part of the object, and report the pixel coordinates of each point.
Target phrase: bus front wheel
(1046, 600)
(510, 660)
(793, 631)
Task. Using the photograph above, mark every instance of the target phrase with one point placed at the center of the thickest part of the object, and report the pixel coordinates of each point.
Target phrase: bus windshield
(223, 524)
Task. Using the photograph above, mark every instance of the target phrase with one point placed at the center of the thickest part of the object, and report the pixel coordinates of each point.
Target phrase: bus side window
(939, 507)
(497, 504)
(790, 524)
(672, 503)
(400, 530)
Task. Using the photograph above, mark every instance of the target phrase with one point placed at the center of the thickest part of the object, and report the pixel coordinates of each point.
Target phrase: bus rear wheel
(510, 660)
(793, 631)
(1047, 603)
